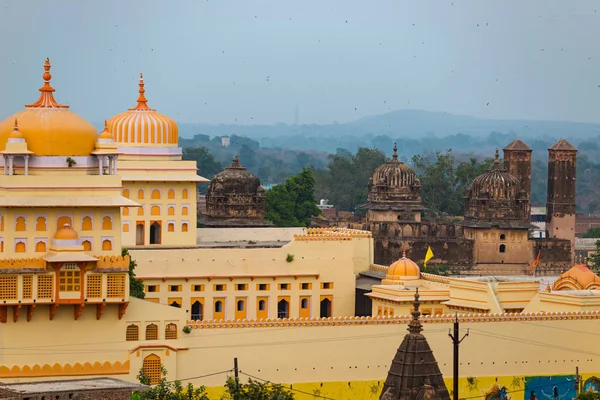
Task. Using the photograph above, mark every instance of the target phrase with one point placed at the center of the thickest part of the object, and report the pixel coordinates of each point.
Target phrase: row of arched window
(156, 194)
(41, 245)
(155, 210)
(151, 333)
(41, 223)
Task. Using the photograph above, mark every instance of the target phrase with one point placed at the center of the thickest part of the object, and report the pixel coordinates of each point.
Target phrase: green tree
(593, 260)
(293, 203)
(345, 182)
(254, 390)
(136, 286)
(592, 232)
(207, 165)
(165, 390)
(445, 181)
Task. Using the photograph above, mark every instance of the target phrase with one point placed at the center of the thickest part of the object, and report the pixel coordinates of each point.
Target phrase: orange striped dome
(402, 270)
(579, 277)
(143, 126)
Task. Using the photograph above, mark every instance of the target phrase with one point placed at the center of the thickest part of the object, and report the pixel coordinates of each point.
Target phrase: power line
(524, 389)
(202, 376)
(290, 388)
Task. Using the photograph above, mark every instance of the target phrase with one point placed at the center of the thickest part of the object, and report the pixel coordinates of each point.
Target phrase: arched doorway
(139, 234)
(155, 233)
(325, 308)
(283, 309)
(197, 311)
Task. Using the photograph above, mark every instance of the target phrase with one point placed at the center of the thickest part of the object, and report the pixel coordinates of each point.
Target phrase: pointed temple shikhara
(414, 373)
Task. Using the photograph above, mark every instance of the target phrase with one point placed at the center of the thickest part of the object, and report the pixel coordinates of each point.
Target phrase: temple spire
(46, 99)
(236, 163)
(395, 155)
(497, 159)
(141, 105)
(415, 326)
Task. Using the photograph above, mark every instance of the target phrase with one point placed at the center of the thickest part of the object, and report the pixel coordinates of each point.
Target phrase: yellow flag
(428, 256)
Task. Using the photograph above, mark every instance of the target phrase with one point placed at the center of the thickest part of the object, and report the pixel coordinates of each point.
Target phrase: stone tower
(517, 161)
(560, 206)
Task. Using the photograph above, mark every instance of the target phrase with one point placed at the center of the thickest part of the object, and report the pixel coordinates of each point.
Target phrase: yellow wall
(488, 242)
(161, 207)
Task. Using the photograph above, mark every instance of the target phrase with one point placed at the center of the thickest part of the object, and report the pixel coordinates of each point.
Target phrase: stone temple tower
(517, 160)
(560, 206)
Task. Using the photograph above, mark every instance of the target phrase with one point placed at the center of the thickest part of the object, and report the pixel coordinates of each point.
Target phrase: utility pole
(577, 382)
(456, 341)
(237, 379)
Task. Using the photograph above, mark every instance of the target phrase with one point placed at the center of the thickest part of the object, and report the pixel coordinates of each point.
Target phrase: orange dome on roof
(402, 270)
(143, 126)
(105, 134)
(49, 128)
(66, 233)
(579, 277)
(16, 133)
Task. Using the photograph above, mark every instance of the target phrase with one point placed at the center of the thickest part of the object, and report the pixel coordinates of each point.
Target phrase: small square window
(284, 286)
(241, 286)
(263, 286)
(327, 285)
(174, 288)
(152, 288)
(197, 288)
(220, 288)
(306, 286)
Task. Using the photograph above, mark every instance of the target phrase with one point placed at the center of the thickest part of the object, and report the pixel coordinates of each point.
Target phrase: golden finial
(415, 325)
(141, 105)
(105, 134)
(404, 254)
(16, 125)
(46, 98)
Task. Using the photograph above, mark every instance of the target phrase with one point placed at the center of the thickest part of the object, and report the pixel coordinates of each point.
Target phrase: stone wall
(554, 253)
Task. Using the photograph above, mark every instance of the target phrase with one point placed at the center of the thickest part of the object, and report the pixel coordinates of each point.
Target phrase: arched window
(171, 227)
(175, 304)
(184, 211)
(86, 224)
(502, 236)
(133, 333)
(40, 247)
(87, 245)
(139, 234)
(141, 194)
(125, 211)
(125, 227)
(171, 194)
(140, 211)
(21, 224)
(152, 368)
(326, 307)
(184, 227)
(502, 248)
(62, 221)
(155, 194)
(106, 223)
(171, 331)
(20, 247)
(218, 306)
(262, 305)
(40, 224)
(155, 233)
(197, 311)
(184, 194)
(2, 223)
(304, 303)
(152, 332)
(283, 309)
(155, 210)
(106, 245)
(171, 211)
(240, 305)
(126, 193)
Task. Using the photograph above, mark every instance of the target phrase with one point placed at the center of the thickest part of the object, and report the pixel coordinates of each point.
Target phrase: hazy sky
(245, 61)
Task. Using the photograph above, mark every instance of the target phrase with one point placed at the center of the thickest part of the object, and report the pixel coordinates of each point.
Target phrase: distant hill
(405, 123)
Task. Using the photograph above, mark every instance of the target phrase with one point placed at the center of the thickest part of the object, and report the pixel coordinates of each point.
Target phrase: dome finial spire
(16, 127)
(395, 155)
(415, 324)
(496, 159)
(46, 99)
(141, 105)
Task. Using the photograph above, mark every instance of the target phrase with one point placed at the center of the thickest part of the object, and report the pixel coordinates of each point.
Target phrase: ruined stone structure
(494, 234)
(560, 206)
(235, 198)
(394, 193)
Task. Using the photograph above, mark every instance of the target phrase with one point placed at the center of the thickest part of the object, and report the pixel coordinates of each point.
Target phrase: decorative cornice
(76, 369)
(396, 320)
(317, 234)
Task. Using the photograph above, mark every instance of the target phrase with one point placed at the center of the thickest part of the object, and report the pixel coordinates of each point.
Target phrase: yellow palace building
(281, 300)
